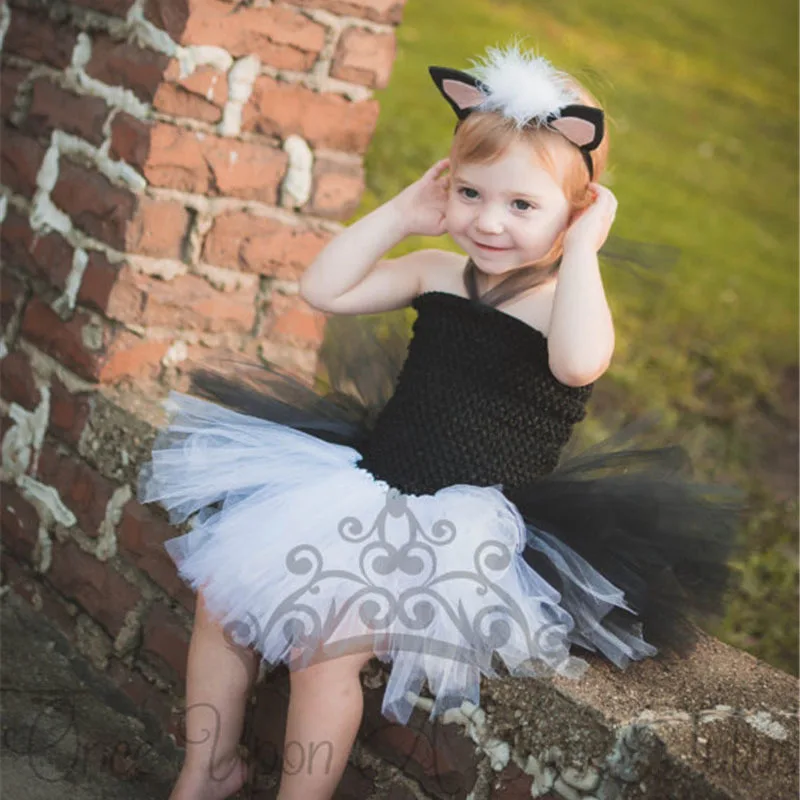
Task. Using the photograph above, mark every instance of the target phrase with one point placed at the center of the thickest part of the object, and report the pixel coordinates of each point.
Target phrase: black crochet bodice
(475, 402)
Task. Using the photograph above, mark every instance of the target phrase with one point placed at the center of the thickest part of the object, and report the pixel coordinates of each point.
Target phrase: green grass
(702, 103)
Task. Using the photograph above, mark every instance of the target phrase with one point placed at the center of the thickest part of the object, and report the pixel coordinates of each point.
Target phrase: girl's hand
(591, 226)
(421, 207)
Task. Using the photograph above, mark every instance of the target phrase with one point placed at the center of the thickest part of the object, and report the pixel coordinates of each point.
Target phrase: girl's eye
(521, 205)
(470, 194)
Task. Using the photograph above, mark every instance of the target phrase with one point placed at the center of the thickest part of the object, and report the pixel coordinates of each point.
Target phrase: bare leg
(325, 709)
(218, 681)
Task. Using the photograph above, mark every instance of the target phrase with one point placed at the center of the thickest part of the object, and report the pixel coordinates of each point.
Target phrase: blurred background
(702, 103)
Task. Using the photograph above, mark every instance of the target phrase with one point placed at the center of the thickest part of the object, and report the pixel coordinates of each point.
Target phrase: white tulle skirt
(305, 556)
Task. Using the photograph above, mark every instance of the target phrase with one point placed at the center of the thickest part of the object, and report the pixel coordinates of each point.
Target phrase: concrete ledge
(717, 724)
(66, 728)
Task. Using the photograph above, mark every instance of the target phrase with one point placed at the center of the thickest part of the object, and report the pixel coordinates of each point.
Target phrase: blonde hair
(484, 137)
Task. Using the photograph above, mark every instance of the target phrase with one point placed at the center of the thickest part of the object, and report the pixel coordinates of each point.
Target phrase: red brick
(35, 37)
(364, 57)
(280, 36)
(20, 523)
(511, 784)
(190, 302)
(118, 8)
(95, 205)
(337, 189)
(439, 756)
(130, 355)
(63, 340)
(241, 169)
(166, 155)
(20, 159)
(201, 95)
(130, 139)
(10, 79)
(186, 302)
(13, 290)
(99, 279)
(102, 592)
(29, 586)
(144, 694)
(15, 573)
(166, 637)
(47, 256)
(325, 120)
(83, 490)
(290, 319)
(158, 229)
(169, 16)
(375, 10)
(118, 352)
(123, 64)
(113, 289)
(141, 536)
(13, 296)
(69, 412)
(53, 107)
(189, 161)
(241, 241)
(17, 383)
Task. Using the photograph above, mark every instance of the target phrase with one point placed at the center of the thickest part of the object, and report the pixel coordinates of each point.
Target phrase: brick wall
(169, 168)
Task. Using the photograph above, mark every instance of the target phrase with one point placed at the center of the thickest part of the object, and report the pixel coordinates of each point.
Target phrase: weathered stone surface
(717, 723)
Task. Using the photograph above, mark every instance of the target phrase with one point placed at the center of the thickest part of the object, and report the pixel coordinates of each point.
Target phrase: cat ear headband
(526, 88)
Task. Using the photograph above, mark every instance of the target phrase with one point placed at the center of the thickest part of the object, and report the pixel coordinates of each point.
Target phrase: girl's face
(506, 214)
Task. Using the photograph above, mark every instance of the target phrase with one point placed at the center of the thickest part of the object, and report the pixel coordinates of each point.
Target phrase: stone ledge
(715, 724)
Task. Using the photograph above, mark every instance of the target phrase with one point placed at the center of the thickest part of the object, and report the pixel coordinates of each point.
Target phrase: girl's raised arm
(581, 334)
(346, 277)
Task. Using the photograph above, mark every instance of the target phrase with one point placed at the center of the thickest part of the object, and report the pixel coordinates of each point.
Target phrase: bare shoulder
(444, 272)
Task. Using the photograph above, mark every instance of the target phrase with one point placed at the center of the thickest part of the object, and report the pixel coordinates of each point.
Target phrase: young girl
(437, 531)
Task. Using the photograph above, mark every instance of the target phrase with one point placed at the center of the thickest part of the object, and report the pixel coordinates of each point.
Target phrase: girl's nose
(489, 220)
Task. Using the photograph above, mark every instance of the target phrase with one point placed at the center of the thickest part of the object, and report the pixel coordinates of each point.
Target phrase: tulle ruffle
(305, 556)
(629, 505)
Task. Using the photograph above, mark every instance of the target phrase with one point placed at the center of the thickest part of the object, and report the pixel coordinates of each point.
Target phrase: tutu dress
(422, 509)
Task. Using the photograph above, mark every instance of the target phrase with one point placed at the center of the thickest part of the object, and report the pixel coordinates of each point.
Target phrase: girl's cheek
(451, 216)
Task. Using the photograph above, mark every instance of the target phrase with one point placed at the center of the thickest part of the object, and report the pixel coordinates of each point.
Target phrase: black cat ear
(461, 90)
(582, 125)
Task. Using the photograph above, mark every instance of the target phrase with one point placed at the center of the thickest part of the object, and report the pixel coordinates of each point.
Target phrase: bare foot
(223, 780)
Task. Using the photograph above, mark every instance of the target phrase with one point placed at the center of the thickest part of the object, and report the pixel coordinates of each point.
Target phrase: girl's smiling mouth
(490, 248)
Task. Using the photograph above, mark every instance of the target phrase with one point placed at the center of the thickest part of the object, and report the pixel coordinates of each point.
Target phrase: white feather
(522, 85)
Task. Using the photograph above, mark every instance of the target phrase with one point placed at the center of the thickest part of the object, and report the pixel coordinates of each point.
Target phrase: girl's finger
(439, 167)
(605, 192)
